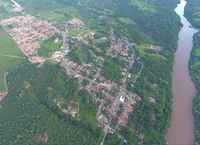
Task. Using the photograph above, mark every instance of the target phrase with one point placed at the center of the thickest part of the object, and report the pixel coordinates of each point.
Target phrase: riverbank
(191, 11)
(181, 130)
(194, 67)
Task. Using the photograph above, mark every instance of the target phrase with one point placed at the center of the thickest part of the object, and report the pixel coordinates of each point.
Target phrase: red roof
(103, 119)
(110, 131)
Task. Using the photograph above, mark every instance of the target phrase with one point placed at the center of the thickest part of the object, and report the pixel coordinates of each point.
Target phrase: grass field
(48, 48)
(73, 32)
(143, 5)
(84, 33)
(50, 10)
(8, 47)
(126, 20)
(197, 52)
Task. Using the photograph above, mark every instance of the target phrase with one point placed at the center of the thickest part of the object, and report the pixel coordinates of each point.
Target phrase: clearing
(10, 56)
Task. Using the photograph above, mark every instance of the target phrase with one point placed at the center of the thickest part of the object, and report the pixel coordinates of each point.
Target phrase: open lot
(48, 48)
(73, 32)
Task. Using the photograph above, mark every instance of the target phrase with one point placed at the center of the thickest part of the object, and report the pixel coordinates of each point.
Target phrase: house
(124, 124)
(58, 60)
(57, 52)
(103, 119)
(110, 131)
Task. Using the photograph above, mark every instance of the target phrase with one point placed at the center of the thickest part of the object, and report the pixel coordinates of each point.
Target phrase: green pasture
(74, 32)
(143, 5)
(84, 33)
(5, 64)
(48, 48)
(126, 20)
(8, 47)
(58, 15)
(197, 52)
(144, 49)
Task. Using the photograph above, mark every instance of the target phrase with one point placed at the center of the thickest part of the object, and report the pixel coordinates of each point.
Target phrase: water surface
(181, 130)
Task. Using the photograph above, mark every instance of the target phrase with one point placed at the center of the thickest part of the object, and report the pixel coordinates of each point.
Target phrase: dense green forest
(29, 116)
(194, 67)
(192, 12)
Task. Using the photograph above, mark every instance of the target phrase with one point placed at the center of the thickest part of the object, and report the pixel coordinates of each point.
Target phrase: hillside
(194, 67)
(192, 12)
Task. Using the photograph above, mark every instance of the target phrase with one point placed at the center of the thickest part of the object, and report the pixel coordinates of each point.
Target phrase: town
(116, 102)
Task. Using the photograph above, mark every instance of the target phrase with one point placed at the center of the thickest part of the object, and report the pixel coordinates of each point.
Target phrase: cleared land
(10, 56)
(126, 20)
(73, 32)
(48, 48)
(8, 46)
(143, 5)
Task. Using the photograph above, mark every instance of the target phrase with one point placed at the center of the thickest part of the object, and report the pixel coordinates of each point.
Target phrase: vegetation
(192, 11)
(194, 67)
(49, 46)
(81, 54)
(8, 47)
(73, 32)
(33, 112)
(126, 20)
(111, 70)
(112, 139)
(141, 21)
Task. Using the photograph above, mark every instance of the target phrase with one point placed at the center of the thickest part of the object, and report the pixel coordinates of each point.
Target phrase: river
(181, 130)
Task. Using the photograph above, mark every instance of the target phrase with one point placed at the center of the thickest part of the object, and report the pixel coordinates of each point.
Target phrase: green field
(48, 48)
(8, 47)
(143, 5)
(197, 52)
(73, 32)
(84, 33)
(53, 11)
(126, 20)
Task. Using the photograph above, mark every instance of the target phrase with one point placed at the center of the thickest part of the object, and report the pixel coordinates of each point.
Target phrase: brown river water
(181, 131)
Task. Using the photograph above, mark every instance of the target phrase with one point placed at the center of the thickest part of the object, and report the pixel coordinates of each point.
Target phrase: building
(58, 52)
(122, 98)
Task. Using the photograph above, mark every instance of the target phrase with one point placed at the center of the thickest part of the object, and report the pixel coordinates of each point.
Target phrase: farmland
(8, 57)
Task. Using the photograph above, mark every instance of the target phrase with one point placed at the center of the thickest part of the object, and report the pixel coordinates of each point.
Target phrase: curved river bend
(181, 130)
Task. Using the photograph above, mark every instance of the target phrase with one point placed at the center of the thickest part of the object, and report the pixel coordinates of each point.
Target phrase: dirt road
(13, 56)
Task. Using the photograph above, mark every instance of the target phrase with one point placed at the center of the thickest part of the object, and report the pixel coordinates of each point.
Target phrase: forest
(192, 11)
(194, 68)
(29, 116)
